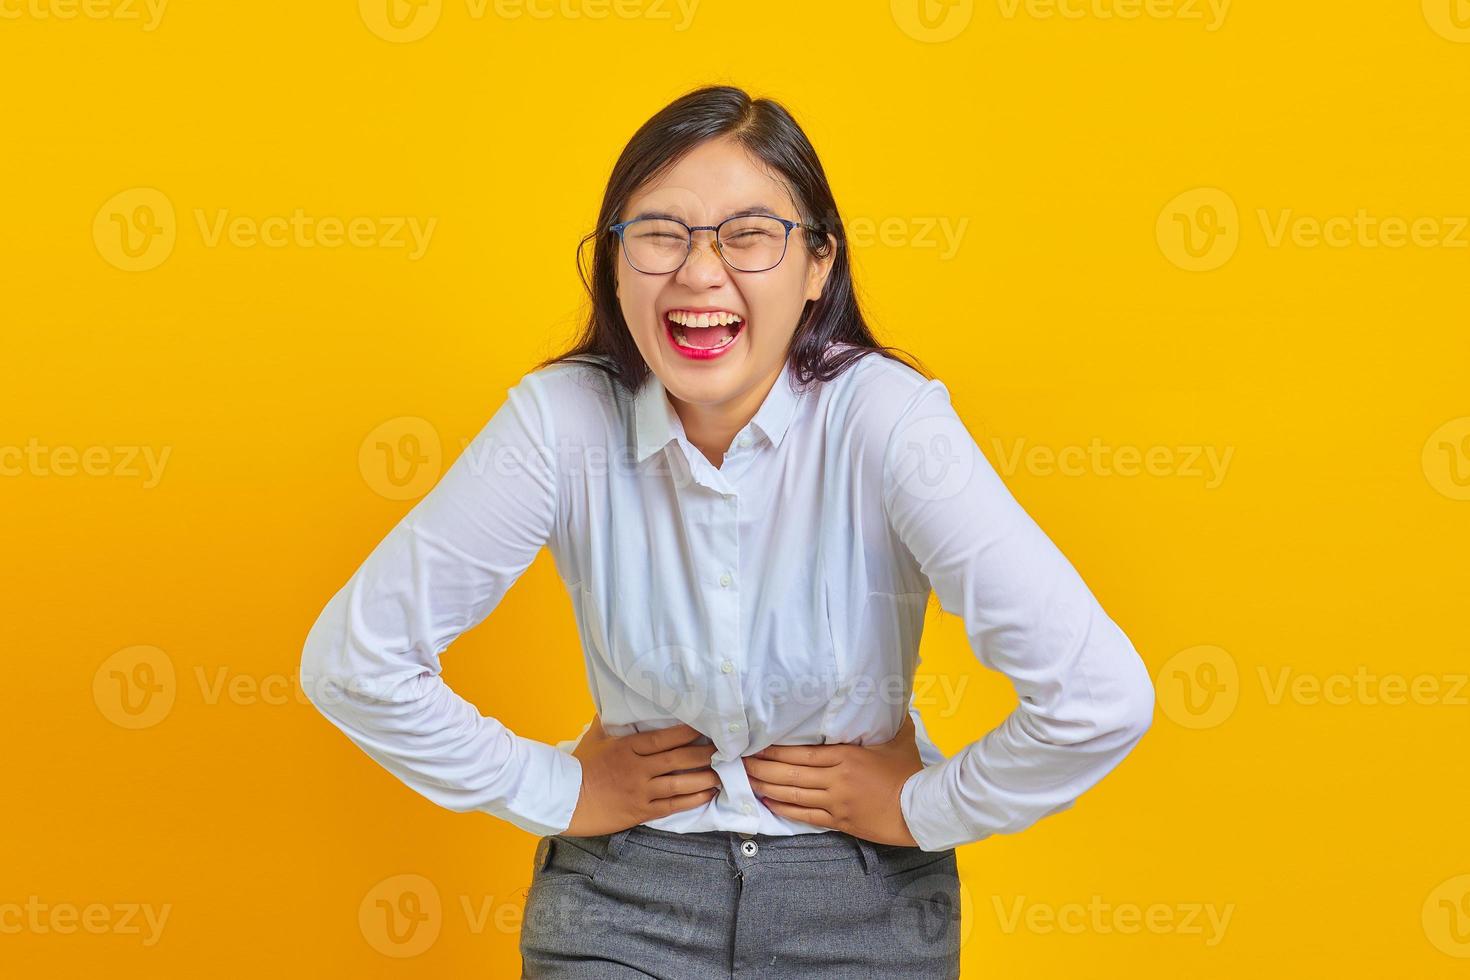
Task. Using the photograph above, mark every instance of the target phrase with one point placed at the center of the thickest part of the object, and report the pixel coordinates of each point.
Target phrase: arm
(371, 661)
(1085, 695)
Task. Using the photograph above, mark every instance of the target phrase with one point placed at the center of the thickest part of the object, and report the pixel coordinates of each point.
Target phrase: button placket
(728, 634)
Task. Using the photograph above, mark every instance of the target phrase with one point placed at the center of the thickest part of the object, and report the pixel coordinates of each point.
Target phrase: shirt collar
(657, 422)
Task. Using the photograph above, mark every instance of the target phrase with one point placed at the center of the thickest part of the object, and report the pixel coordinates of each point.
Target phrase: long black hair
(766, 130)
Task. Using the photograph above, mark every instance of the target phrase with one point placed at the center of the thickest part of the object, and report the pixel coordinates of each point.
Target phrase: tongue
(708, 336)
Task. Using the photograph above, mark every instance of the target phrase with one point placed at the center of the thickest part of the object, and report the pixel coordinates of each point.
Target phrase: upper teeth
(685, 319)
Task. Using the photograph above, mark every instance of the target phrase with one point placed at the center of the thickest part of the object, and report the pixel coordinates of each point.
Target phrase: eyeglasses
(746, 243)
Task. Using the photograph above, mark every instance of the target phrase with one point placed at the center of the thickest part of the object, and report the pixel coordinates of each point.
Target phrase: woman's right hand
(630, 779)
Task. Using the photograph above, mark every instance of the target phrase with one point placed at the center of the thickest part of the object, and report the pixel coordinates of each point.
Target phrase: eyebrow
(742, 213)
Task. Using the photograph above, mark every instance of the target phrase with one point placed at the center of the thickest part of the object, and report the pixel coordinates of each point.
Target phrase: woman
(749, 500)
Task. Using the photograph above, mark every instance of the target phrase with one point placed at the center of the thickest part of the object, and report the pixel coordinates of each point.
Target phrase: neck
(711, 428)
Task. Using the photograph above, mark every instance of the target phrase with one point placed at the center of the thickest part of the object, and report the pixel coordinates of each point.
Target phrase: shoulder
(573, 396)
(875, 394)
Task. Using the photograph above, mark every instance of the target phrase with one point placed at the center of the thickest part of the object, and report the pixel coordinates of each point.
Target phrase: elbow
(321, 681)
(1133, 708)
(312, 676)
(1129, 703)
(308, 675)
(1138, 713)
(342, 674)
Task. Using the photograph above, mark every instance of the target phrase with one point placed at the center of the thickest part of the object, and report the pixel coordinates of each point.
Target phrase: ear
(819, 269)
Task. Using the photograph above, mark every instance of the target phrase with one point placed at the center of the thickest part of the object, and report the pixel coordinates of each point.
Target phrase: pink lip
(693, 353)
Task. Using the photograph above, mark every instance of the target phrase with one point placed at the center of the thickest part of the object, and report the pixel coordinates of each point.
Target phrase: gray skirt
(645, 902)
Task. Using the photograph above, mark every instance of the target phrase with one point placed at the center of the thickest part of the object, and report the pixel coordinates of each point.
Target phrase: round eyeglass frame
(689, 250)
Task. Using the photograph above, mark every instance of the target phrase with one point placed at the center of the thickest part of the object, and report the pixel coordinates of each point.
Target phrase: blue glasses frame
(719, 250)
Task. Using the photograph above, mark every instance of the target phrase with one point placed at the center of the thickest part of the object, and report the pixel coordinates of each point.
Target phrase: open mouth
(703, 334)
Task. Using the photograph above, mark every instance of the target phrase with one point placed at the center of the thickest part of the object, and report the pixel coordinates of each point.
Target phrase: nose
(704, 267)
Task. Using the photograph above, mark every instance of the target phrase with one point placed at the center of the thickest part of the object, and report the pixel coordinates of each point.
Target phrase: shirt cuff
(570, 744)
(550, 785)
(928, 809)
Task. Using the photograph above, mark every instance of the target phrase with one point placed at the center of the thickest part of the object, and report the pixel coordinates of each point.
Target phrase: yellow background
(1073, 313)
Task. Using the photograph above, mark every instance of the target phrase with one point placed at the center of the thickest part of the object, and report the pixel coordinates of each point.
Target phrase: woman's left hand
(841, 785)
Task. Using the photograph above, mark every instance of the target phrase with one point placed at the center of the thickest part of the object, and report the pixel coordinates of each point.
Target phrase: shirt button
(746, 808)
(745, 442)
(727, 667)
(734, 726)
(725, 580)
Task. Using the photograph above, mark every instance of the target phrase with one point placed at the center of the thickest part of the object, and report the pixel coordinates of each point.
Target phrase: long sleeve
(1086, 697)
(371, 660)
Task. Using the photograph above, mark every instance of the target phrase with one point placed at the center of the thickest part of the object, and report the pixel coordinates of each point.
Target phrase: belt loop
(869, 854)
(615, 841)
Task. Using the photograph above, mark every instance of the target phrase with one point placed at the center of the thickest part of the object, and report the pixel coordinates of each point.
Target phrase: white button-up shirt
(776, 599)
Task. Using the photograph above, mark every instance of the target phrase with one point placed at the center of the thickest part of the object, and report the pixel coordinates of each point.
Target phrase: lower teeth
(679, 336)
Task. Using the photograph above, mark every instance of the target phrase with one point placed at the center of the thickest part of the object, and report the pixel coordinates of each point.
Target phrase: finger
(682, 783)
(673, 804)
(647, 743)
(805, 814)
(795, 795)
(786, 774)
(684, 757)
(803, 755)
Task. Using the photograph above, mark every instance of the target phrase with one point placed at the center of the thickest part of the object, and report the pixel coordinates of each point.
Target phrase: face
(710, 183)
